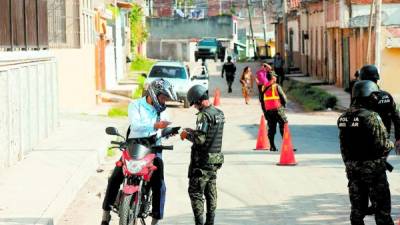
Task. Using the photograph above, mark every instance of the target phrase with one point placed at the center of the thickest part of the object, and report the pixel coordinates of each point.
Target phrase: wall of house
(76, 68)
(294, 35)
(28, 102)
(317, 37)
(304, 42)
(390, 68)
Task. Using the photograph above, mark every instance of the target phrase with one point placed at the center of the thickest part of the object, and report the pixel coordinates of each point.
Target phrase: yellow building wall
(271, 49)
(390, 68)
(76, 76)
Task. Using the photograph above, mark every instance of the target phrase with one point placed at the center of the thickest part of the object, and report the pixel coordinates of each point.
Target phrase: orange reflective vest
(271, 97)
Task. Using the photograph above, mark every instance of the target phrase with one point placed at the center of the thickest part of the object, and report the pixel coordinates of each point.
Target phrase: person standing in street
(146, 116)
(229, 69)
(274, 103)
(261, 79)
(364, 142)
(206, 156)
(279, 62)
(352, 82)
(246, 79)
(385, 106)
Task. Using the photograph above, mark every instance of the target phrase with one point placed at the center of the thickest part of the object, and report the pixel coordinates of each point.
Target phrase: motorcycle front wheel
(127, 211)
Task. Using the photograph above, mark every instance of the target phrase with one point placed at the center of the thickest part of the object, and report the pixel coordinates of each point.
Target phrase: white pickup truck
(178, 75)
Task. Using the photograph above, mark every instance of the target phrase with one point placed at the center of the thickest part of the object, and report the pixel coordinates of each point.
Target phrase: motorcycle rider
(146, 116)
(206, 157)
(385, 106)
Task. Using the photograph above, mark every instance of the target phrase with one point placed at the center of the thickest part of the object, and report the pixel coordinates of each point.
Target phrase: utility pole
(264, 20)
(371, 13)
(220, 7)
(251, 29)
(286, 32)
(378, 22)
(264, 27)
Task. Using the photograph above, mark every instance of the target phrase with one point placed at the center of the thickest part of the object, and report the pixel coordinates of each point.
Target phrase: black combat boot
(199, 220)
(210, 219)
(106, 218)
(272, 144)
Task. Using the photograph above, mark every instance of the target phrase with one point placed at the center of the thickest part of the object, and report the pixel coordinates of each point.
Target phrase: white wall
(294, 25)
(28, 104)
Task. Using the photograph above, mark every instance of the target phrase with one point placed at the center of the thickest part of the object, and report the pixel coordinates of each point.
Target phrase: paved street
(252, 190)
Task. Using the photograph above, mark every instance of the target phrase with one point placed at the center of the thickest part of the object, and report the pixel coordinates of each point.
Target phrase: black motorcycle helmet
(158, 87)
(196, 94)
(369, 72)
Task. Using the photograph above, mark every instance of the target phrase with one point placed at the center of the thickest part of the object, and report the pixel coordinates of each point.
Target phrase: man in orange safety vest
(274, 103)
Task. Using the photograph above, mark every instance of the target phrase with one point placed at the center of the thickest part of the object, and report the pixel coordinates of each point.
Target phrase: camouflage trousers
(202, 184)
(369, 181)
(273, 118)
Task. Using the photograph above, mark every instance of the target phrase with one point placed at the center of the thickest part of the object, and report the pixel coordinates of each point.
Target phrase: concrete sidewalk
(342, 96)
(39, 188)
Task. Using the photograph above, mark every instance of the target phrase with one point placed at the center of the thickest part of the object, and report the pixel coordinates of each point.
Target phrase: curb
(74, 183)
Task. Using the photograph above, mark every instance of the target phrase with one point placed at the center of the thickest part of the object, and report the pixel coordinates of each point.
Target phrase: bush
(121, 111)
(312, 98)
(141, 64)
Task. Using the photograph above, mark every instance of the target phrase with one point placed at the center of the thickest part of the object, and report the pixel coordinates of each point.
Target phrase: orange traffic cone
(217, 94)
(287, 153)
(262, 138)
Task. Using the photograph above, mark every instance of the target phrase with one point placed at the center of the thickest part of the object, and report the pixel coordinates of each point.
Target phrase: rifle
(389, 166)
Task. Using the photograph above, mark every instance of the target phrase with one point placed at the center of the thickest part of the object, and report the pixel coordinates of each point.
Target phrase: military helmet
(158, 87)
(364, 88)
(196, 94)
(369, 72)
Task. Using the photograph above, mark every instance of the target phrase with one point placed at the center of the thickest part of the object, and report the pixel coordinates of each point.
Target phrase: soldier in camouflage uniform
(364, 142)
(385, 106)
(274, 104)
(206, 156)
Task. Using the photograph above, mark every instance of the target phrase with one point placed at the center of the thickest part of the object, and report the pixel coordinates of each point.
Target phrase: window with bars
(71, 25)
(63, 23)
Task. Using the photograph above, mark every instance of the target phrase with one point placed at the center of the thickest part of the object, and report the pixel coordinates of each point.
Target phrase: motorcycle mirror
(112, 131)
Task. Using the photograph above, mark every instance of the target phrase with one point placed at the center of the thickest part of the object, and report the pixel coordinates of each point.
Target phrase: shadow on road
(308, 139)
(318, 209)
(26, 220)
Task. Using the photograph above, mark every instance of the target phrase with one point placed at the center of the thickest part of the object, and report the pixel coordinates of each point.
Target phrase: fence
(28, 105)
(23, 24)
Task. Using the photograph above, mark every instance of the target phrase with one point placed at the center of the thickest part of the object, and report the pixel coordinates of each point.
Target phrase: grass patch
(120, 111)
(142, 64)
(310, 97)
(110, 152)
(138, 92)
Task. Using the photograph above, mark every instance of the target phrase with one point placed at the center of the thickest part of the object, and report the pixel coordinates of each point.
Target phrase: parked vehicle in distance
(209, 48)
(200, 76)
(178, 75)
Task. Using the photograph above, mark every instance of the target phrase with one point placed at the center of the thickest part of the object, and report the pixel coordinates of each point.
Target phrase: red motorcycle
(134, 199)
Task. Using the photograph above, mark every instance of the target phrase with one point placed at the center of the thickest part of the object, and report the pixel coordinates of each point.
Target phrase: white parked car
(178, 75)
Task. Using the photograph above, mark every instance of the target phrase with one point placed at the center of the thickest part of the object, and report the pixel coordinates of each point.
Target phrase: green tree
(138, 29)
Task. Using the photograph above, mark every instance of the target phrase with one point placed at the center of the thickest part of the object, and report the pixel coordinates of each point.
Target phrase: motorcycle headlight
(135, 166)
